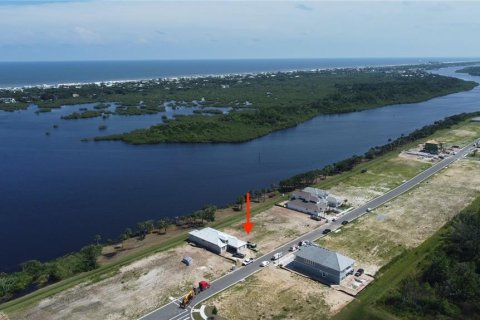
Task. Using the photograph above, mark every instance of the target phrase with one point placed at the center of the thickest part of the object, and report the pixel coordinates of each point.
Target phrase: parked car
(251, 245)
(359, 272)
(277, 256)
(293, 248)
(326, 231)
(246, 262)
(238, 255)
(344, 222)
(369, 209)
(264, 263)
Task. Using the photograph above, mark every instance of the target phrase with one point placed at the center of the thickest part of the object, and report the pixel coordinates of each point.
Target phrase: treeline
(35, 274)
(448, 287)
(195, 219)
(308, 178)
(473, 71)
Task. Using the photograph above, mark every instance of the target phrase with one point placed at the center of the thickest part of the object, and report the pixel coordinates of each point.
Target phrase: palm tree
(128, 232)
(97, 238)
(149, 225)
(163, 224)
(240, 202)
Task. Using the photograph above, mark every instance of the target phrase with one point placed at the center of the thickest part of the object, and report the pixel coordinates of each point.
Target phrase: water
(13, 74)
(57, 192)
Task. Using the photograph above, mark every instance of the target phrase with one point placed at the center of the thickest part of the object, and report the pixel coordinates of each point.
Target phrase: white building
(315, 209)
(216, 241)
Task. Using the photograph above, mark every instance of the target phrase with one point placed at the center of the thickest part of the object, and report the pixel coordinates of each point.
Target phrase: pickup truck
(277, 256)
(246, 262)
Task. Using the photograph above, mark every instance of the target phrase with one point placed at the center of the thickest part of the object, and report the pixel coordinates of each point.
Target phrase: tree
(209, 212)
(149, 225)
(97, 238)
(128, 232)
(163, 224)
(240, 202)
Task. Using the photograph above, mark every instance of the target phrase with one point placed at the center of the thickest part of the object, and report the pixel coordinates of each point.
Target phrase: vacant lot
(460, 134)
(275, 226)
(408, 220)
(378, 179)
(275, 293)
(136, 288)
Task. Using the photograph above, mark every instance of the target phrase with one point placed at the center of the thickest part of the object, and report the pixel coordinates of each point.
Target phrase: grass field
(405, 265)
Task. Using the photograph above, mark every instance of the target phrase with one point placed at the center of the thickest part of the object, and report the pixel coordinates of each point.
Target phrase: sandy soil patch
(409, 219)
(275, 226)
(275, 292)
(137, 288)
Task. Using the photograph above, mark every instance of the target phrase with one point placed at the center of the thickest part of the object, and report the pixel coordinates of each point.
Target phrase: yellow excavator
(187, 298)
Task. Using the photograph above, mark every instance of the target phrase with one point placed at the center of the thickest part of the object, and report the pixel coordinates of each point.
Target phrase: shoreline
(220, 75)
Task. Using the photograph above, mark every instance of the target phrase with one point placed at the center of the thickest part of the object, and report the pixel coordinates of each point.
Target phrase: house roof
(306, 196)
(432, 142)
(316, 192)
(320, 206)
(218, 238)
(327, 258)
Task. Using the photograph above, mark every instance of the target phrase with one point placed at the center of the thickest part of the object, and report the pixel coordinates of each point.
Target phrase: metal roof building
(216, 241)
(323, 265)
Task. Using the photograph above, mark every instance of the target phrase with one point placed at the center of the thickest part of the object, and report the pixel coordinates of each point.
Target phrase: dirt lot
(138, 287)
(409, 219)
(274, 227)
(360, 188)
(280, 294)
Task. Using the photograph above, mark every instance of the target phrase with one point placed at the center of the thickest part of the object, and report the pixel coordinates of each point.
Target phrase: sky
(137, 30)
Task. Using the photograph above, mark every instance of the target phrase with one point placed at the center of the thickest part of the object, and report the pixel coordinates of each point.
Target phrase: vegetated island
(473, 71)
(278, 101)
(259, 103)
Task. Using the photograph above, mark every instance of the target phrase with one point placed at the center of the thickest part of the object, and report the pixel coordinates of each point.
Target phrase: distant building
(321, 264)
(432, 146)
(216, 241)
(7, 100)
(477, 119)
(334, 201)
(305, 196)
(75, 95)
(323, 194)
(312, 208)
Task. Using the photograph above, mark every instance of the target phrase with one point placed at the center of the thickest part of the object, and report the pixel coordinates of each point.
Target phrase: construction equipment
(187, 299)
(203, 285)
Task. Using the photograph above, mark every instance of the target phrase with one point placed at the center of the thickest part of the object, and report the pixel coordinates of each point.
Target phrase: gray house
(216, 241)
(323, 265)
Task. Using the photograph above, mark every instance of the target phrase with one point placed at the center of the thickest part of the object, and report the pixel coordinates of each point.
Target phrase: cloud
(303, 7)
(86, 35)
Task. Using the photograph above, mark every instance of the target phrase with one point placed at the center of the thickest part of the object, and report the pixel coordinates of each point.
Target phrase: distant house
(305, 196)
(75, 95)
(326, 266)
(477, 119)
(323, 194)
(8, 100)
(216, 241)
(334, 201)
(315, 209)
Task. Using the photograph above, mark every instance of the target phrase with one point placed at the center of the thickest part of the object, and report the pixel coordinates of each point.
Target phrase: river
(57, 192)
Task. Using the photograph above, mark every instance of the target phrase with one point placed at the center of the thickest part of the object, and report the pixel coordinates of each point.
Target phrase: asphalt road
(172, 311)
